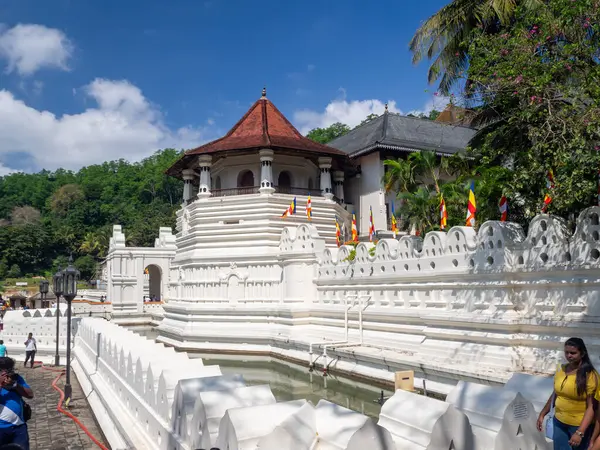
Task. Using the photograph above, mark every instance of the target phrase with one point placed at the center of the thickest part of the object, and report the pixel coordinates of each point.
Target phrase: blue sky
(83, 81)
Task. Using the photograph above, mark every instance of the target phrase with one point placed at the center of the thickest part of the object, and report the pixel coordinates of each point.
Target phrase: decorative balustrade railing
(234, 191)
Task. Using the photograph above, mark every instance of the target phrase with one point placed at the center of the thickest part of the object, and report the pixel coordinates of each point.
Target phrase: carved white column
(338, 185)
(325, 168)
(266, 172)
(204, 162)
(188, 187)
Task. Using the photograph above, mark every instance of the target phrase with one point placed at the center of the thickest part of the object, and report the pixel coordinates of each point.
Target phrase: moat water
(290, 381)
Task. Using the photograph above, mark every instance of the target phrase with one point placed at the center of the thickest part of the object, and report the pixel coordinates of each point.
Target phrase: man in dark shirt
(13, 388)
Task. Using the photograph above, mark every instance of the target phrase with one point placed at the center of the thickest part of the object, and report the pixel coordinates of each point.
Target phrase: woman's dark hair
(585, 368)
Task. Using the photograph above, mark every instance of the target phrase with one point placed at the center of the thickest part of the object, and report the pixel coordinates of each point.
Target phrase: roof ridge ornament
(386, 107)
(264, 92)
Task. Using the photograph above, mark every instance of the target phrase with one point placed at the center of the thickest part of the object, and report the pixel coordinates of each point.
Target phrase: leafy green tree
(87, 266)
(444, 37)
(538, 87)
(325, 135)
(14, 271)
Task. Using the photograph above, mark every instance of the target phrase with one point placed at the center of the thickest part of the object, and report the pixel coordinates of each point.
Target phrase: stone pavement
(49, 429)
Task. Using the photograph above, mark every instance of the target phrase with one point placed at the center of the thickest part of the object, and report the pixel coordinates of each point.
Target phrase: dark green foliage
(73, 212)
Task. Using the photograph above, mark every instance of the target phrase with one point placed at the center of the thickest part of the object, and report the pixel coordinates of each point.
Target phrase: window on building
(245, 179)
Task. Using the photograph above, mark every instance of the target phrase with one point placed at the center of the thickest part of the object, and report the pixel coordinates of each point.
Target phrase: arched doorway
(218, 183)
(245, 179)
(153, 276)
(284, 182)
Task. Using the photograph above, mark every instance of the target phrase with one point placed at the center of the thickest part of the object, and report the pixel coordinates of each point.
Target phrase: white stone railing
(473, 417)
(496, 299)
(145, 395)
(42, 323)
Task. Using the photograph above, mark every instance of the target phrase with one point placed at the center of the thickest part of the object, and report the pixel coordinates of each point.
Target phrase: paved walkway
(49, 429)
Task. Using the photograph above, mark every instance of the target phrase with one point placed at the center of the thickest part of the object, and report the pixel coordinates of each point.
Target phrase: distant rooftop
(406, 134)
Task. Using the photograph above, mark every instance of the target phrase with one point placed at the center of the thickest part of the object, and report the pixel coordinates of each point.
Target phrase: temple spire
(386, 107)
(264, 92)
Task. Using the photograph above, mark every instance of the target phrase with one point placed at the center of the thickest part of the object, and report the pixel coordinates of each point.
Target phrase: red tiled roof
(263, 126)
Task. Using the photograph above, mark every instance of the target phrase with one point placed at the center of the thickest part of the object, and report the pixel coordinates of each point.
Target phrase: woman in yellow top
(575, 385)
(595, 445)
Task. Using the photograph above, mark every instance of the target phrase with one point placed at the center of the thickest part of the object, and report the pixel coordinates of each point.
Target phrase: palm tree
(444, 37)
(399, 176)
(419, 208)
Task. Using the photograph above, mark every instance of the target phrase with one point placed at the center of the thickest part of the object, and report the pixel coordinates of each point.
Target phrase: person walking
(13, 417)
(30, 349)
(575, 385)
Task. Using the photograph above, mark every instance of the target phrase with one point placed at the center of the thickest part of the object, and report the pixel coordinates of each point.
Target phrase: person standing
(595, 444)
(3, 351)
(13, 388)
(30, 349)
(575, 385)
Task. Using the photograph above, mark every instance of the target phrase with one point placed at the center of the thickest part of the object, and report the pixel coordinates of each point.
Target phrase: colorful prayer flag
(471, 206)
(338, 233)
(291, 209)
(394, 223)
(371, 225)
(354, 229)
(549, 189)
(503, 206)
(443, 214)
(309, 208)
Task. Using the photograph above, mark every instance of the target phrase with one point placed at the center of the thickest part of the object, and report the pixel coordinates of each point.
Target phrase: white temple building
(472, 305)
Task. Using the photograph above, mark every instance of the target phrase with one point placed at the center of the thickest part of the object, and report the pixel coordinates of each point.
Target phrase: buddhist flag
(354, 229)
(443, 213)
(309, 208)
(503, 207)
(549, 188)
(291, 210)
(371, 225)
(471, 206)
(338, 233)
(394, 223)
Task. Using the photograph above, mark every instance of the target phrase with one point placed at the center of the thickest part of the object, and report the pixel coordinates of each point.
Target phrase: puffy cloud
(437, 102)
(28, 48)
(350, 113)
(4, 170)
(122, 124)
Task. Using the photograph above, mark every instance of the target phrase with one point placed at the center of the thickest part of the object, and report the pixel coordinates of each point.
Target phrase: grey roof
(395, 132)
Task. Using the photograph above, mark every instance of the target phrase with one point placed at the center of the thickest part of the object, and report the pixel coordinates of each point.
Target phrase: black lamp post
(57, 287)
(43, 290)
(70, 278)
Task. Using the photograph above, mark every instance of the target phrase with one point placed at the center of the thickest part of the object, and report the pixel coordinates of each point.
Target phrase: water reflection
(290, 381)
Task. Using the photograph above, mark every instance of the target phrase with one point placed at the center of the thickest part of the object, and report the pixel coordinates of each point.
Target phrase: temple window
(245, 179)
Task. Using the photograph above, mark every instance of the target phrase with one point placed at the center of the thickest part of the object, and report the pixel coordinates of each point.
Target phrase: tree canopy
(46, 216)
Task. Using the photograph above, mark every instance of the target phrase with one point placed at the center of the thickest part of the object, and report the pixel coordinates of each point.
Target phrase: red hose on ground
(61, 410)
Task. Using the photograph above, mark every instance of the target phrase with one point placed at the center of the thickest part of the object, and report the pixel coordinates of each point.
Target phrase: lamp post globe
(44, 284)
(57, 283)
(69, 285)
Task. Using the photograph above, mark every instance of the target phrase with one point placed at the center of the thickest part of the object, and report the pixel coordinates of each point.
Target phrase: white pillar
(266, 172)
(325, 168)
(204, 162)
(338, 182)
(188, 187)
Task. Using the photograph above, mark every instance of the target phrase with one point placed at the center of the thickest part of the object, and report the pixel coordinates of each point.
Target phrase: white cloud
(122, 124)
(28, 48)
(5, 170)
(350, 113)
(437, 102)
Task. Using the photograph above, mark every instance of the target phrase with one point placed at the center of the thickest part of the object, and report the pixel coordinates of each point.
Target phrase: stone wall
(42, 323)
(145, 395)
(456, 305)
